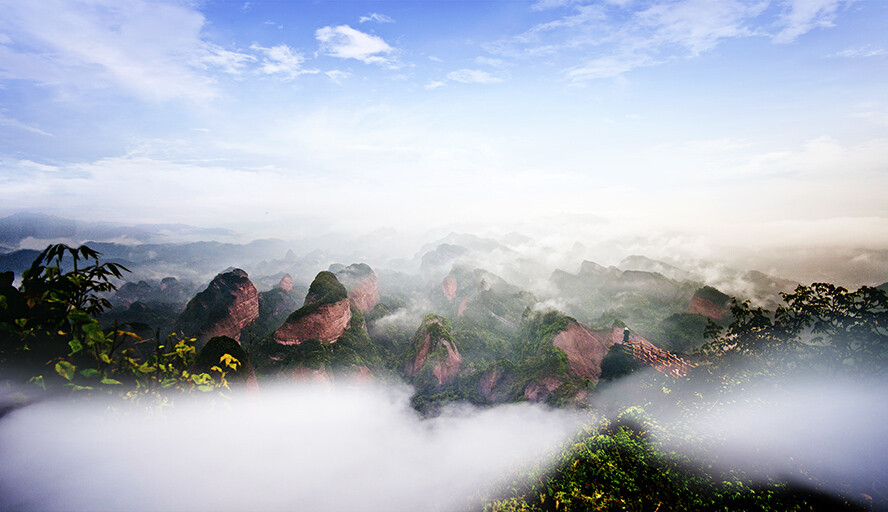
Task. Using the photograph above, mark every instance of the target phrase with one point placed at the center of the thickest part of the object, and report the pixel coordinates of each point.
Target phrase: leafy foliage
(822, 323)
(48, 323)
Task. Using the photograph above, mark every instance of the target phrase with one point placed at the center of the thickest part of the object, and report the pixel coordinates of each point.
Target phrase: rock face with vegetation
(228, 304)
(434, 350)
(361, 283)
(324, 316)
(585, 349)
(709, 302)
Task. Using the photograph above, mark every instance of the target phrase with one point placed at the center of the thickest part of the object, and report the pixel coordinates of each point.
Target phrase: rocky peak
(362, 285)
(286, 283)
(709, 302)
(228, 304)
(434, 349)
(324, 316)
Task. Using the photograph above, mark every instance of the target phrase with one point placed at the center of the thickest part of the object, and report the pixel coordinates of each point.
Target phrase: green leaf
(65, 369)
(90, 372)
(108, 380)
(205, 388)
(39, 381)
(75, 346)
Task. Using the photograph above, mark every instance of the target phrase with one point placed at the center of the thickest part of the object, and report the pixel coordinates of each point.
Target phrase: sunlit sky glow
(756, 120)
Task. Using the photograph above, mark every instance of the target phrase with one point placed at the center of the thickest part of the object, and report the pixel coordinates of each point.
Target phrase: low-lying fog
(363, 448)
(296, 448)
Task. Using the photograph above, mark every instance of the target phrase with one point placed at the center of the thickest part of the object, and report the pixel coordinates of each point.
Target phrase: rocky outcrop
(540, 389)
(324, 316)
(325, 322)
(496, 382)
(709, 302)
(449, 286)
(228, 304)
(434, 349)
(361, 283)
(168, 291)
(286, 283)
(585, 349)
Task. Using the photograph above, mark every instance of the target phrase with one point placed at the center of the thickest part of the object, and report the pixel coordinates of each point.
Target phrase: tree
(848, 329)
(48, 323)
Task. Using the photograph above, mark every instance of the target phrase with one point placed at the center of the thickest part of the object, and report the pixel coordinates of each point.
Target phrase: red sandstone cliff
(432, 345)
(324, 322)
(228, 304)
(585, 349)
(449, 287)
(362, 285)
(701, 306)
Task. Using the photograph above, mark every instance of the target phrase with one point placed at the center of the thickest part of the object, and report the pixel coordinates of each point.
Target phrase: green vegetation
(50, 337)
(713, 295)
(350, 353)
(325, 289)
(616, 467)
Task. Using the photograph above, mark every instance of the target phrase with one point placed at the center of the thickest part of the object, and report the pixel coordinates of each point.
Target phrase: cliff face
(585, 350)
(229, 304)
(361, 283)
(324, 317)
(701, 306)
(709, 302)
(434, 349)
(449, 287)
(325, 323)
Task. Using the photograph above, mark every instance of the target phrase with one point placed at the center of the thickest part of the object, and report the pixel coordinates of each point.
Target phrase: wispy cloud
(282, 61)
(434, 84)
(611, 38)
(337, 76)
(861, 52)
(18, 125)
(473, 76)
(378, 18)
(802, 16)
(345, 42)
(152, 51)
(230, 61)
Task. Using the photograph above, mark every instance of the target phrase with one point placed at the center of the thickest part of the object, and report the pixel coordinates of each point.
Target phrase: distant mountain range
(33, 228)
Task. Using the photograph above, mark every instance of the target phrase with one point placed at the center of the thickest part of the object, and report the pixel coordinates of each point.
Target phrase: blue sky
(753, 122)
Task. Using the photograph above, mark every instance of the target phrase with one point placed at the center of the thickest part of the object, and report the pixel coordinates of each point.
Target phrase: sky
(757, 123)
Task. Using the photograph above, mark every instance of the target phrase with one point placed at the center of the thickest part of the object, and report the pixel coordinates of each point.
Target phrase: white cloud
(802, 16)
(865, 51)
(15, 123)
(391, 458)
(231, 62)
(605, 67)
(378, 18)
(281, 60)
(487, 61)
(152, 50)
(345, 42)
(434, 84)
(337, 75)
(435, 59)
(698, 25)
(615, 37)
(473, 76)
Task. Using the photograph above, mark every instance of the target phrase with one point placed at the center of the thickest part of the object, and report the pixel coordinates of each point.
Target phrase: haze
(752, 130)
